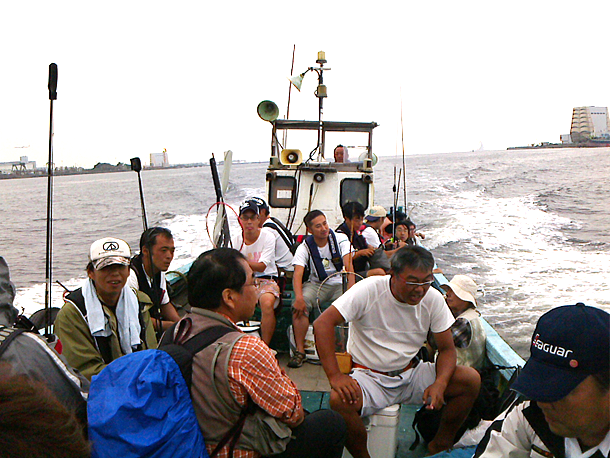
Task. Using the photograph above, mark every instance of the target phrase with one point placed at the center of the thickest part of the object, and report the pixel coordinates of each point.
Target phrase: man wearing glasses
(389, 320)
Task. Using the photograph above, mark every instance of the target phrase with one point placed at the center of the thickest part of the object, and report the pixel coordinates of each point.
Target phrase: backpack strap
(184, 353)
(282, 230)
(102, 343)
(6, 337)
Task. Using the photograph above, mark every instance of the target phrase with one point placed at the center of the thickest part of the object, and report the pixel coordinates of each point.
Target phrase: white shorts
(380, 391)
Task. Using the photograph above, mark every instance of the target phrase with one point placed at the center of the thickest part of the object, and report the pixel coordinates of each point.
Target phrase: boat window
(282, 192)
(354, 190)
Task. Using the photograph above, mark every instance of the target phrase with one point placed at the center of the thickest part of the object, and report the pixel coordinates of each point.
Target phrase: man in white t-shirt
(258, 247)
(283, 237)
(389, 318)
(324, 253)
(147, 274)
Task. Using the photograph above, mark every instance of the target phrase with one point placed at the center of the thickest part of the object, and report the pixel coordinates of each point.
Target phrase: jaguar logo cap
(108, 251)
(569, 344)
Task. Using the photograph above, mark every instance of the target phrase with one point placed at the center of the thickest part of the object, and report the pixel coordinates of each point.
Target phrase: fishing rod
(49, 261)
(224, 236)
(136, 166)
(285, 136)
(394, 208)
(404, 167)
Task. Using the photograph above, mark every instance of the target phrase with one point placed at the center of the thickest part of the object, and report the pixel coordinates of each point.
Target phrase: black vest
(154, 293)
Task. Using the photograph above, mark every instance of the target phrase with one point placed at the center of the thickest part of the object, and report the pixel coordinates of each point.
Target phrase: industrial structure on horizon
(23, 165)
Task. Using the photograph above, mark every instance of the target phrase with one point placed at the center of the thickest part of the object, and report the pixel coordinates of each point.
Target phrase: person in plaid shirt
(239, 373)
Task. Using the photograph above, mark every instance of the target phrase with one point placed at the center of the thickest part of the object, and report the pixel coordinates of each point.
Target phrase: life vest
(359, 243)
(314, 253)
(154, 293)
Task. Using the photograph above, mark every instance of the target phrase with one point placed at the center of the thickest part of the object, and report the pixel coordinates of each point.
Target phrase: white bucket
(310, 344)
(382, 433)
(250, 327)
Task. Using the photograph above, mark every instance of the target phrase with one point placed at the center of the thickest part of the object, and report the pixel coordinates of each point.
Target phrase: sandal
(297, 359)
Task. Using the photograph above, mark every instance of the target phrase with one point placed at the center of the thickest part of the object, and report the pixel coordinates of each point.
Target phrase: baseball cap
(249, 205)
(375, 212)
(108, 251)
(262, 205)
(464, 287)
(569, 344)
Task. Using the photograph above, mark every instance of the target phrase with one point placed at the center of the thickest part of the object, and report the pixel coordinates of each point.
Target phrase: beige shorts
(268, 286)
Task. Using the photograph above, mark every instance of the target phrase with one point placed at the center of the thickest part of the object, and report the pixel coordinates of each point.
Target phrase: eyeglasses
(415, 284)
(255, 282)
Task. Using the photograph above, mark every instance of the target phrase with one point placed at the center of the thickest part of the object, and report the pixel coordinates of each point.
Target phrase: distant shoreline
(98, 168)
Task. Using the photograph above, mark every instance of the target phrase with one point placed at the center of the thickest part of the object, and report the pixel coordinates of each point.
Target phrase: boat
(297, 183)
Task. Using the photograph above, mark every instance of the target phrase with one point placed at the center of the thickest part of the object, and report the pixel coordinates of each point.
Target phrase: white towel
(126, 315)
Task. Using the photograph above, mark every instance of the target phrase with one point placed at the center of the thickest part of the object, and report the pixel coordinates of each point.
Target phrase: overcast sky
(136, 77)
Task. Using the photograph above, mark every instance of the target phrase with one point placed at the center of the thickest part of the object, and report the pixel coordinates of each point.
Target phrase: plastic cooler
(382, 430)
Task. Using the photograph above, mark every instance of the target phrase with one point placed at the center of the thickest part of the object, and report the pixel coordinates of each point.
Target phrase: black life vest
(155, 293)
(359, 243)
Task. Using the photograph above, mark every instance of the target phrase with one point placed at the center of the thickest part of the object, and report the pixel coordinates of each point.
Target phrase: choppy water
(530, 226)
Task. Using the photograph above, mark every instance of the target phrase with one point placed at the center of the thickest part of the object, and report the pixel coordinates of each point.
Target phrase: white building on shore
(159, 159)
(589, 123)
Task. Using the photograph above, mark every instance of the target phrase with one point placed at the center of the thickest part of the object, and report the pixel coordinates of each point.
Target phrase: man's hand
(346, 387)
(434, 396)
(299, 307)
(367, 252)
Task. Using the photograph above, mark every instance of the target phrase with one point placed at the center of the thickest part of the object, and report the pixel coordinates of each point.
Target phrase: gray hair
(414, 257)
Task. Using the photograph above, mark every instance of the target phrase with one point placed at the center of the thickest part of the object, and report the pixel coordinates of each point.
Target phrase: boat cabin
(296, 184)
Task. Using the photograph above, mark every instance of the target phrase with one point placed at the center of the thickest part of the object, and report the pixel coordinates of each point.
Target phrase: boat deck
(315, 391)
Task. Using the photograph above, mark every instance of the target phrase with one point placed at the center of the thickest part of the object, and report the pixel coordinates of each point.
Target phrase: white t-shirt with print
(302, 258)
(385, 334)
(263, 250)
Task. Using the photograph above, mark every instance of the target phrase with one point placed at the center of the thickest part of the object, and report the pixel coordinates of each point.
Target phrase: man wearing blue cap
(567, 383)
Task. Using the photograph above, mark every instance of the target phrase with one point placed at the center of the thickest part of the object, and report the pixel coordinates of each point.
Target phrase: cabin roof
(328, 126)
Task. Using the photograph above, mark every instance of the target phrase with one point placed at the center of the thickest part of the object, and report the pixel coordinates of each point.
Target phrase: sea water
(530, 226)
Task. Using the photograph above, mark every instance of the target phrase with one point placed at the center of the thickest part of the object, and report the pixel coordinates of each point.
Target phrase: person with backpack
(258, 246)
(323, 253)
(105, 318)
(239, 377)
(28, 354)
(284, 239)
(566, 384)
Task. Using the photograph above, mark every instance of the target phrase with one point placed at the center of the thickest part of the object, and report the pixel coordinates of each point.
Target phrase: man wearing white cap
(467, 330)
(104, 319)
(374, 218)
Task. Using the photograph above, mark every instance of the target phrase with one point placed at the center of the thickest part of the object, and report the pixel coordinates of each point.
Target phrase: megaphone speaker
(268, 111)
(291, 157)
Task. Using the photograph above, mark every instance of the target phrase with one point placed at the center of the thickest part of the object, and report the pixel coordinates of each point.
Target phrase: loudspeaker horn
(268, 111)
(291, 157)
